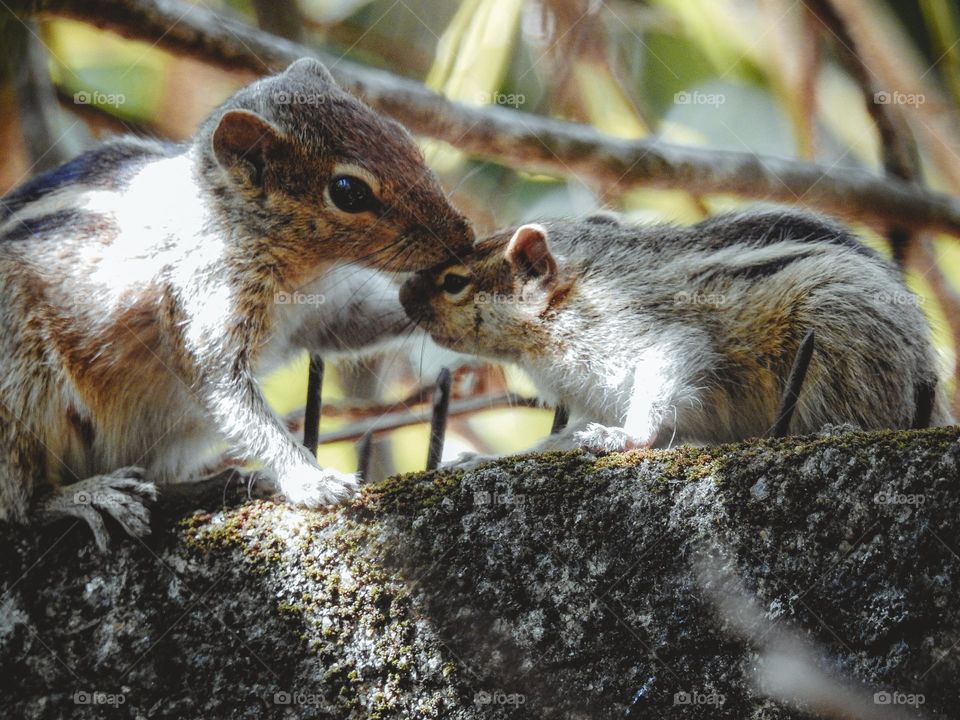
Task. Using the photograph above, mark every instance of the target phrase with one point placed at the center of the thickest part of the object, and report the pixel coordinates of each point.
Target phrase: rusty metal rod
(560, 419)
(926, 396)
(311, 419)
(438, 419)
(364, 451)
(788, 403)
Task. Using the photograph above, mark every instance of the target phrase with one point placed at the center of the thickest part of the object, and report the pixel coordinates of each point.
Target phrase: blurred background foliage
(737, 74)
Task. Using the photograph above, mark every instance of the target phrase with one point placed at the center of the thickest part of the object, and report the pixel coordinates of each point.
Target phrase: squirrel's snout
(414, 295)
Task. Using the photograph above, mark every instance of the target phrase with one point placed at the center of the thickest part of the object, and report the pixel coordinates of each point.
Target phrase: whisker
(362, 285)
(423, 349)
(404, 336)
(466, 176)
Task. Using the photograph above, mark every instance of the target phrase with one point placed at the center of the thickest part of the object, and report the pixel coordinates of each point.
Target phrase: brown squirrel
(146, 285)
(663, 334)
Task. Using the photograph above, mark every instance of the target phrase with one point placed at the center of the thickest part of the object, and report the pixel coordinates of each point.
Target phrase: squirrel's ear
(603, 217)
(310, 66)
(529, 253)
(241, 142)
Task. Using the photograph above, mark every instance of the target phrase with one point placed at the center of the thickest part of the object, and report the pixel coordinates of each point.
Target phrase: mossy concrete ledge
(772, 579)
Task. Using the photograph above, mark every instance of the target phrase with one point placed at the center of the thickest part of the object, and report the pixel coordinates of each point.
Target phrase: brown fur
(139, 292)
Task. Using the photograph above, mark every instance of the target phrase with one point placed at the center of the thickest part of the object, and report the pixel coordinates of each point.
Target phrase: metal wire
(440, 408)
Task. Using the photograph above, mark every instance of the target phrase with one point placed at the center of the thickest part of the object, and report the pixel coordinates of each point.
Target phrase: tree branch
(898, 149)
(393, 419)
(520, 139)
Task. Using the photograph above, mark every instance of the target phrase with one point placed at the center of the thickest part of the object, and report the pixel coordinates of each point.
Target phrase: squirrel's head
(317, 173)
(498, 300)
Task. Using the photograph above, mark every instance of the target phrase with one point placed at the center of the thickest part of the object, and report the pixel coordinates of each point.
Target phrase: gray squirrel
(656, 335)
(145, 286)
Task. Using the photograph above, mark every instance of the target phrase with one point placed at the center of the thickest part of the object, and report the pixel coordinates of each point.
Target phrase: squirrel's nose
(412, 294)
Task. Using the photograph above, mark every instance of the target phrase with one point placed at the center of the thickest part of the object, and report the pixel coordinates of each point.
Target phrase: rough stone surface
(650, 584)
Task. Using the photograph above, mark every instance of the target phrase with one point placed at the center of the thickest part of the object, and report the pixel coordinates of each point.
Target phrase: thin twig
(900, 160)
(405, 418)
(358, 409)
(897, 146)
(49, 141)
(891, 53)
(520, 139)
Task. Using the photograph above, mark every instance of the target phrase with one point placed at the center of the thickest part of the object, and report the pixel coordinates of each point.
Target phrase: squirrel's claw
(467, 461)
(597, 438)
(315, 487)
(123, 495)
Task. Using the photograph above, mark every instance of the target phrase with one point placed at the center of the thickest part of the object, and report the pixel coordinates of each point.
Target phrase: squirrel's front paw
(467, 461)
(313, 487)
(597, 438)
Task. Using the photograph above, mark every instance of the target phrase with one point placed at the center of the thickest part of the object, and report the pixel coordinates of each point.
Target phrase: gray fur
(687, 334)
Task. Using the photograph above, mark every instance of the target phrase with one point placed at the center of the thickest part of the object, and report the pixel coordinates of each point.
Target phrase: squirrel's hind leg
(21, 468)
(122, 495)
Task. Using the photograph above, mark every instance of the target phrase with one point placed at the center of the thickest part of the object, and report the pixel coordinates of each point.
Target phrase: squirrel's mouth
(415, 299)
(421, 248)
(441, 339)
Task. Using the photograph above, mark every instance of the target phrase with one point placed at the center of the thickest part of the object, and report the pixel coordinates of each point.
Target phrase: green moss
(736, 466)
(694, 463)
(410, 490)
(339, 606)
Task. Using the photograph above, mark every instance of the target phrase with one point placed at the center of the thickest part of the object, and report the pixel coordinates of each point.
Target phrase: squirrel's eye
(352, 194)
(453, 283)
